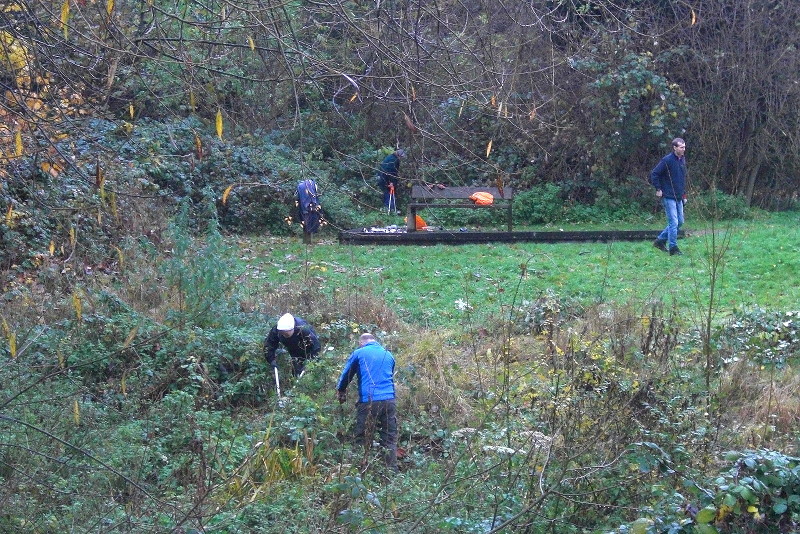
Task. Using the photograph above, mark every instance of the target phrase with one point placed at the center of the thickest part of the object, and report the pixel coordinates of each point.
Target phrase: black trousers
(380, 416)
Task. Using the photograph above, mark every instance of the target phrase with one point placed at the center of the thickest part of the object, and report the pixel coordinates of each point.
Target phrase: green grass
(758, 263)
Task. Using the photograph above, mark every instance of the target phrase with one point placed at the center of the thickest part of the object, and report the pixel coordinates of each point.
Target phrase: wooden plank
(420, 192)
(453, 205)
(364, 237)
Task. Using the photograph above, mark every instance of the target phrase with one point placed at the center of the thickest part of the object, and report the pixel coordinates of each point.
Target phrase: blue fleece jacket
(670, 176)
(374, 367)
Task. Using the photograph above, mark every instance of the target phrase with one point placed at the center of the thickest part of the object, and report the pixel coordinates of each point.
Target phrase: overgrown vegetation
(526, 406)
(149, 153)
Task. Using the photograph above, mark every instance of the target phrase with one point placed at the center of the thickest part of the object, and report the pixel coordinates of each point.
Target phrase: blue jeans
(674, 210)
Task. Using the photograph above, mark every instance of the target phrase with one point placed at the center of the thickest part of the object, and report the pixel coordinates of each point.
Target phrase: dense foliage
(142, 142)
(138, 400)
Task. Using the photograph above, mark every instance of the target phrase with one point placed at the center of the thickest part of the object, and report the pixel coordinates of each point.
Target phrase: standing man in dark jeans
(388, 179)
(299, 339)
(374, 367)
(669, 179)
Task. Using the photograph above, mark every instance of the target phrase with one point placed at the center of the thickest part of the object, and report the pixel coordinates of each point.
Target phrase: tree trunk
(751, 180)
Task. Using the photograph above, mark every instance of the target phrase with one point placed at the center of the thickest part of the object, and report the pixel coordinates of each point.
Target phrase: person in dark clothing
(309, 209)
(298, 338)
(388, 178)
(373, 366)
(669, 179)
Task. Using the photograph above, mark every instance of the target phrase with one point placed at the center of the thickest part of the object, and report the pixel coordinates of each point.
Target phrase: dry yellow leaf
(192, 103)
(64, 17)
(18, 143)
(52, 248)
(12, 344)
(9, 215)
(34, 104)
(78, 305)
(10, 8)
(130, 110)
(109, 7)
(51, 168)
(76, 412)
(355, 95)
(226, 193)
(131, 336)
(489, 148)
(251, 42)
(73, 238)
(120, 257)
(694, 18)
(219, 124)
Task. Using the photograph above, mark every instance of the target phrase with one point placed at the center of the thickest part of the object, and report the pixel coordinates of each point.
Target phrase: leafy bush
(716, 205)
(542, 204)
(758, 493)
(765, 337)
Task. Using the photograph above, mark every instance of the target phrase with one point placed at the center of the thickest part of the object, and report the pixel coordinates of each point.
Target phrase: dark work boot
(660, 245)
(675, 252)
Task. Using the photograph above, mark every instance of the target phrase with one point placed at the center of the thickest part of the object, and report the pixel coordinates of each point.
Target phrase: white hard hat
(286, 322)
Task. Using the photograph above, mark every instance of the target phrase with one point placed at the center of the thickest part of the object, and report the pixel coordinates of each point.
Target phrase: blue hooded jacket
(374, 367)
(670, 176)
(308, 206)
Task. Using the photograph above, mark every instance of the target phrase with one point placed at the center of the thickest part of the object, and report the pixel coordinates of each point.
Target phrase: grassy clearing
(429, 286)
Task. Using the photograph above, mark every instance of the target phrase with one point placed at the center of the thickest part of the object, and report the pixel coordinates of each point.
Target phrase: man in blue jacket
(669, 179)
(299, 339)
(373, 365)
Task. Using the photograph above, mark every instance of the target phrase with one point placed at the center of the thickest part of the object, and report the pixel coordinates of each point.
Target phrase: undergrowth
(139, 400)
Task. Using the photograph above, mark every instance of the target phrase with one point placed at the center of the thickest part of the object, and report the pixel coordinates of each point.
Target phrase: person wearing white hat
(297, 337)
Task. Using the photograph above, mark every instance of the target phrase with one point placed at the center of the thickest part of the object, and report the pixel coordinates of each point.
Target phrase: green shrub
(716, 205)
(765, 337)
(541, 204)
(758, 493)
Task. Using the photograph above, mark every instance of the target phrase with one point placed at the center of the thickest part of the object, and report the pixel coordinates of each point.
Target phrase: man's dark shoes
(675, 252)
(660, 245)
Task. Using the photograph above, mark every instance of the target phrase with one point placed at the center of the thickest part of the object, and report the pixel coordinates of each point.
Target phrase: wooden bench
(456, 197)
